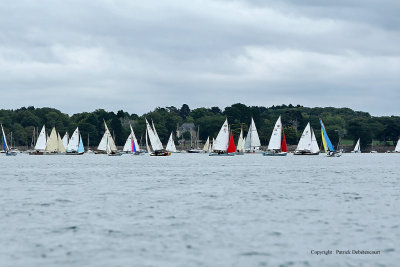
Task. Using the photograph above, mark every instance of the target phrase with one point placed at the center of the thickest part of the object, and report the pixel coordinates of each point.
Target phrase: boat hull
(11, 153)
(160, 153)
(221, 154)
(273, 153)
(305, 153)
(74, 153)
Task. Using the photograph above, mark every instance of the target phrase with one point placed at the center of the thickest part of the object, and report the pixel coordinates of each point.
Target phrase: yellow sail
(323, 140)
(52, 141)
(60, 147)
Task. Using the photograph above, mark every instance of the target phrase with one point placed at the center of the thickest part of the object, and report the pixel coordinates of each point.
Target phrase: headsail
(135, 145)
(206, 145)
(240, 144)
(81, 149)
(284, 145)
(231, 145)
(314, 144)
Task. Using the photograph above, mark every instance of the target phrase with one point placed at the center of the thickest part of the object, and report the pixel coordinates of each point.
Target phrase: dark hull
(305, 153)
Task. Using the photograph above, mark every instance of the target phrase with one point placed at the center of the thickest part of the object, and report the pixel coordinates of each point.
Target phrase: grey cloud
(138, 55)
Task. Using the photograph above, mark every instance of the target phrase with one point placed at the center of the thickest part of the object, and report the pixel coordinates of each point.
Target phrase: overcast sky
(136, 55)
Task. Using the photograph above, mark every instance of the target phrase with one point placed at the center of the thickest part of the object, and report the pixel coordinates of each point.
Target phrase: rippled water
(196, 210)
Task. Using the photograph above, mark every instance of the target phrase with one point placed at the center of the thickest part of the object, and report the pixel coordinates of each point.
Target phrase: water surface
(196, 210)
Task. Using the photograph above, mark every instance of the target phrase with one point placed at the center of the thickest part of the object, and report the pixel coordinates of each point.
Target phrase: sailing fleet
(222, 145)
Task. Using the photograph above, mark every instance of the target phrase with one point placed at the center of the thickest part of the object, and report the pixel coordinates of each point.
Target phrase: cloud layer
(136, 55)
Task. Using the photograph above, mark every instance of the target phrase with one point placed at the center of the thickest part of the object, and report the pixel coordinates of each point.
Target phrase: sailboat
(397, 148)
(196, 143)
(131, 145)
(328, 147)
(240, 144)
(75, 144)
(54, 145)
(41, 141)
(223, 144)
(155, 148)
(206, 146)
(277, 143)
(7, 150)
(308, 143)
(171, 145)
(107, 144)
(65, 139)
(252, 143)
(357, 147)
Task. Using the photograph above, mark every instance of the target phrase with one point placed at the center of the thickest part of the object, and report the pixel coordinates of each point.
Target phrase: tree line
(341, 123)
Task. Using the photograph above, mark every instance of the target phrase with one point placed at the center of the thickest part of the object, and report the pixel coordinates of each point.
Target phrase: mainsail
(171, 144)
(221, 142)
(276, 137)
(206, 145)
(357, 146)
(73, 143)
(397, 148)
(41, 141)
(65, 139)
(325, 139)
(305, 140)
(5, 145)
(252, 140)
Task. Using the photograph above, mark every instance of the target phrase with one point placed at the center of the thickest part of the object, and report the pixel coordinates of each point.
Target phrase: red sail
(231, 146)
(284, 146)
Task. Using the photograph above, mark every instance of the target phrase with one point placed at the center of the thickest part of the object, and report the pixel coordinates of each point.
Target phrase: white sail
(357, 146)
(108, 144)
(147, 143)
(135, 142)
(154, 140)
(206, 145)
(397, 148)
(240, 144)
(65, 140)
(222, 140)
(4, 139)
(73, 143)
(252, 140)
(128, 144)
(276, 137)
(157, 137)
(107, 138)
(171, 144)
(42, 140)
(314, 144)
(305, 139)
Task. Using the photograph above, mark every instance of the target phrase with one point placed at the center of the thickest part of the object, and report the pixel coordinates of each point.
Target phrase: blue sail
(80, 147)
(4, 144)
(328, 141)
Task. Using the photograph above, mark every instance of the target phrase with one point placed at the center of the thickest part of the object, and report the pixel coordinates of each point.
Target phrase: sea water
(196, 210)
